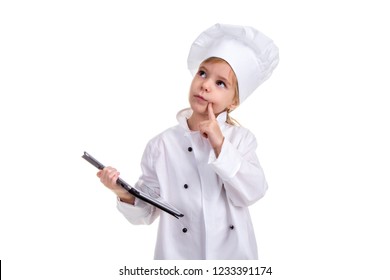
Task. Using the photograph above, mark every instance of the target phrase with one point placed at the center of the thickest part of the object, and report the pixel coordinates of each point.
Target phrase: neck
(194, 121)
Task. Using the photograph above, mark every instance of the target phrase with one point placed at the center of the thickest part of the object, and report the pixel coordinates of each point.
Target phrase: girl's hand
(210, 129)
(108, 176)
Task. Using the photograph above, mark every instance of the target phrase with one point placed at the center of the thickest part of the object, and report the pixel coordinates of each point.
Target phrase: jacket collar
(183, 115)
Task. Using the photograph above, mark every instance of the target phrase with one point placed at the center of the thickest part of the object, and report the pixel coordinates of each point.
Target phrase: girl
(206, 166)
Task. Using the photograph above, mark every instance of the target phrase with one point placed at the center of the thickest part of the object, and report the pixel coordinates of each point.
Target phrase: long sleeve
(142, 212)
(240, 170)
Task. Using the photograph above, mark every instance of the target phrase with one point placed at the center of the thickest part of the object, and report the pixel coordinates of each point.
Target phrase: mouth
(200, 98)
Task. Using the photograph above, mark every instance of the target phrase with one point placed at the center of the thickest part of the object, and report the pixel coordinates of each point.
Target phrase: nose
(206, 85)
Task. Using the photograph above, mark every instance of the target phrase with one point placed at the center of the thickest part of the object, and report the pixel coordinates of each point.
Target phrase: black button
(190, 149)
(185, 186)
(231, 227)
(184, 230)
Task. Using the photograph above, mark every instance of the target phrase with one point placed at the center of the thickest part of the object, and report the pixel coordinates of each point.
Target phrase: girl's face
(214, 83)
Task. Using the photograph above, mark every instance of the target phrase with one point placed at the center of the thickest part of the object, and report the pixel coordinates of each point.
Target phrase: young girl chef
(205, 165)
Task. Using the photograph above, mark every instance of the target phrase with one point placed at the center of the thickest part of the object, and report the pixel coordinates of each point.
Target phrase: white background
(106, 76)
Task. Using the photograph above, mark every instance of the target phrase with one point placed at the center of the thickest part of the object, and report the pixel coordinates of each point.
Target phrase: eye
(221, 84)
(202, 73)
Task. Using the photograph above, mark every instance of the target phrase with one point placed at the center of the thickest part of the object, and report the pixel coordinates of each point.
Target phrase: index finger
(211, 111)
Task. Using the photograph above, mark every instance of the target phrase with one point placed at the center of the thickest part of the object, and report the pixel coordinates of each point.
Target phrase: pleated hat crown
(252, 55)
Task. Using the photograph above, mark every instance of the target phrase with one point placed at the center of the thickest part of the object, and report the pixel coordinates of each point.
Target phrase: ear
(233, 106)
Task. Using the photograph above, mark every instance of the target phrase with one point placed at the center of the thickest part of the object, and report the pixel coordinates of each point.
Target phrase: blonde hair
(236, 97)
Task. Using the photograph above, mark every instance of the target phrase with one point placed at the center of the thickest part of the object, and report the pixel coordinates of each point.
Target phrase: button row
(185, 229)
(186, 186)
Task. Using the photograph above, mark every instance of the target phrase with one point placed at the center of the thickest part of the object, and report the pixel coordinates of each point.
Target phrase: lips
(200, 98)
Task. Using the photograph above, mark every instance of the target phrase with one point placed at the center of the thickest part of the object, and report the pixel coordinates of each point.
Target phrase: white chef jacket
(212, 193)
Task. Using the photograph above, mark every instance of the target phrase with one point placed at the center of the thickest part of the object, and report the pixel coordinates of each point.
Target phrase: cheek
(224, 102)
(193, 84)
(220, 105)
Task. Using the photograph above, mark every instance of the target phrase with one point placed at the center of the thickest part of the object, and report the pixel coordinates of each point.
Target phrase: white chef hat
(252, 55)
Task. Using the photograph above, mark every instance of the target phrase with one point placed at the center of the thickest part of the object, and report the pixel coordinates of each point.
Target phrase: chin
(198, 108)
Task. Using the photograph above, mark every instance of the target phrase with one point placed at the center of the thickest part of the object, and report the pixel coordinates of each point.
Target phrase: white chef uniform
(212, 193)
